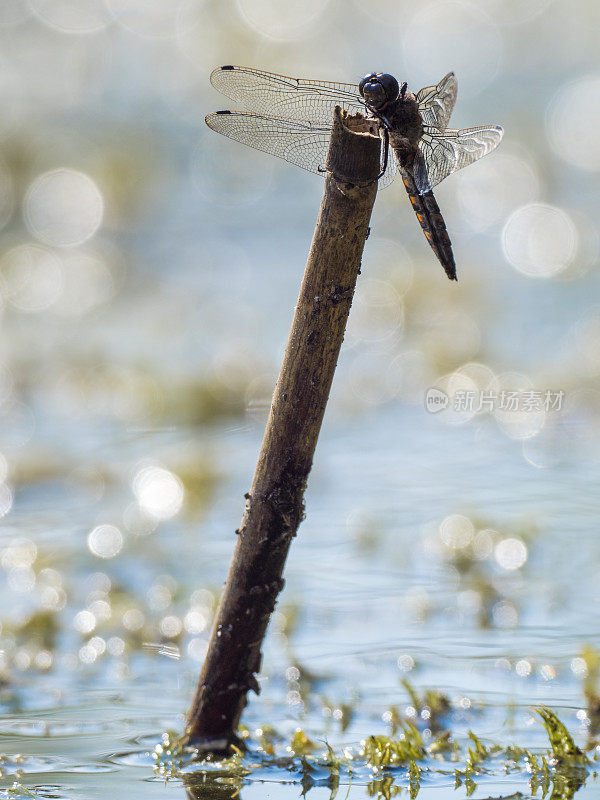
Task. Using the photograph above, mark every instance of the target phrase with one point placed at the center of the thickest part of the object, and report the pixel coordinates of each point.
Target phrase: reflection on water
(148, 272)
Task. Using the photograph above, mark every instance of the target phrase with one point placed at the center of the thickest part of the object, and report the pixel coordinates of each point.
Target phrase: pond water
(148, 274)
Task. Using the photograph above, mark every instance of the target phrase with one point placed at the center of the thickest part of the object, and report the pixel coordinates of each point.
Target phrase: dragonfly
(291, 118)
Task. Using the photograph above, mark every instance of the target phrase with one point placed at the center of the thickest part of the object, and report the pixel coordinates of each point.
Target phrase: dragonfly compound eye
(378, 89)
(370, 78)
(390, 86)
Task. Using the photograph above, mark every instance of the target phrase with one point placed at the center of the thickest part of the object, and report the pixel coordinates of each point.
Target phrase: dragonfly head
(379, 89)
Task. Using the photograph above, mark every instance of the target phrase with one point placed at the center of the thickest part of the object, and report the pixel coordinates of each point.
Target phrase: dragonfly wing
(436, 102)
(439, 155)
(299, 142)
(390, 171)
(298, 98)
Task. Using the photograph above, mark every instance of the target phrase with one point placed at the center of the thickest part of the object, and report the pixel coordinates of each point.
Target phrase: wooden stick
(275, 504)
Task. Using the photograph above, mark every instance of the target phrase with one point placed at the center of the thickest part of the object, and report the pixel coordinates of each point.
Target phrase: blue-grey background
(148, 274)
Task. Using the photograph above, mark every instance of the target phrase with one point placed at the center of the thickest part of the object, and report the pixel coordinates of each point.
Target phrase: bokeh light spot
(31, 278)
(158, 492)
(115, 646)
(84, 622)
(87, 654)
(171, 626)
(195, 622)
(87, 283)
(133, 619)
(457, 531)
(63, 207)
(21, 579)
(19, 553)
(526, 418)
(488, 194)
(406, 662)
(579, 667)
(98, 643)
(197, 648)
(105, 541)
(6, 499)
(547, 672)
(539, 240)
(510, 553)
(523, 668)
(573, 121)
(159, 597)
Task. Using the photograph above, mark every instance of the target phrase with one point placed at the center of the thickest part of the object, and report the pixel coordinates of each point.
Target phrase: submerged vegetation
(387, 766)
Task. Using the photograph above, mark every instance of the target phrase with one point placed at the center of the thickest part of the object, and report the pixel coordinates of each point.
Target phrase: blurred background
(148, 274)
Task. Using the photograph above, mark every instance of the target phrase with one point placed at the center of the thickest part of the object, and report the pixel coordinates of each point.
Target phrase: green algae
(301, 745)
(590, 658)
(564, 749)
(414, 779)
(384, 788)
(18, 790)
(431, 705)
(385, 751)
(394, 764)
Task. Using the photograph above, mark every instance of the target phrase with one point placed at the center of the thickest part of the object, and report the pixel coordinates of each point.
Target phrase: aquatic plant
(393, 764)
(383, 751)
(431, 706)
(564, 749)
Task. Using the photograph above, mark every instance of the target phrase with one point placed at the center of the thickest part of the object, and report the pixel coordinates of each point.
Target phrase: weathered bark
(275, 505)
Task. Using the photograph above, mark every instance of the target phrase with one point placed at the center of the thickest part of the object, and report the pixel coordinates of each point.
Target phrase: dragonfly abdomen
(433, 225)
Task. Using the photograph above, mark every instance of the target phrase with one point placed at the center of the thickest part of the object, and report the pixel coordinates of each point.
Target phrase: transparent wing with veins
(301, 142)
(291, 118)
(437, 102)
(297, 98)
(441, 154)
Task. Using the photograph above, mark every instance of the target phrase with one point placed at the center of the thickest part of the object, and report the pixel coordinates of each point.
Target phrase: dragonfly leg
(385, 143)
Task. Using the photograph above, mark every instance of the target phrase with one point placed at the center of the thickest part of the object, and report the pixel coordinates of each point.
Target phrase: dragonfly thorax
(379, 89)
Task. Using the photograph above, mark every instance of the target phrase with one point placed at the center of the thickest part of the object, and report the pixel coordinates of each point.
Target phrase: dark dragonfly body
(402, 126)
(291, 118)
